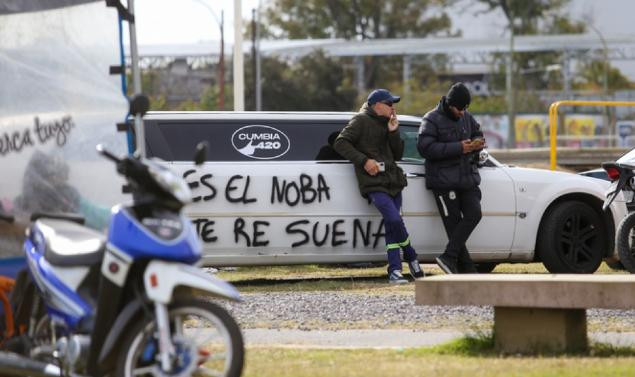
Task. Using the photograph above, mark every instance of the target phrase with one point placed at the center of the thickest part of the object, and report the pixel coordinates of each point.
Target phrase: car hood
(547, 177)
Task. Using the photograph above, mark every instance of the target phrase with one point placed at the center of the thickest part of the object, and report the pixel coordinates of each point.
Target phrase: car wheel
(486, 267)
(572, 239)
(625, 241)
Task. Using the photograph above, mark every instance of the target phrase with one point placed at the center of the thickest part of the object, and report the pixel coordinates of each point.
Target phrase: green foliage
(593, 73)
(421, 97)
(536, 17)
(313, 83)
(359, 20)
(530, 18)
(209, 99)
(472, 345)
(355, 19)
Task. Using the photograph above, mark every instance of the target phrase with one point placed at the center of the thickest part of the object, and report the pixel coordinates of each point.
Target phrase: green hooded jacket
(366, 137)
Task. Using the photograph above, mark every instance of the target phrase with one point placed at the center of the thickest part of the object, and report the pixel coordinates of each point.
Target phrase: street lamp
(221, 59)
(509, 87)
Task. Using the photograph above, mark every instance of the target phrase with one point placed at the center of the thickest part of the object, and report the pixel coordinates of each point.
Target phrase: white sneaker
(396, 277)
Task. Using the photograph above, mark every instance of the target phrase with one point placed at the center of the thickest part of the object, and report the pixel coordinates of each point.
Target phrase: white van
(274, 192)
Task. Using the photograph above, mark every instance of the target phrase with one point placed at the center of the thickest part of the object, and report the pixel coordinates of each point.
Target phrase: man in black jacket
(449, 140)
(371, 141)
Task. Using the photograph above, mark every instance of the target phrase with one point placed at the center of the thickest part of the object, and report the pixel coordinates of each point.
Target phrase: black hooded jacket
(439, 142)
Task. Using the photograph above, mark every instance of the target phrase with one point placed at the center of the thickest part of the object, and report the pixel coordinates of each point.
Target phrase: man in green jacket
(371, 141)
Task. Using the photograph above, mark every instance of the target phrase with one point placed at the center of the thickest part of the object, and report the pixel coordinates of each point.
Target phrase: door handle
(415, 175)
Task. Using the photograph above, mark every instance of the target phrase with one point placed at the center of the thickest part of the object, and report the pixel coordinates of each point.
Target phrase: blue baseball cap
(382, 95)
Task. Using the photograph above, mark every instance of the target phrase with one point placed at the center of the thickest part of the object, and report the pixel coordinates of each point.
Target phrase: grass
(337, 278)
(472, 357)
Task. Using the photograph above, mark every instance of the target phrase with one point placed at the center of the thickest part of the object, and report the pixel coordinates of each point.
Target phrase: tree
(358, 20)
(592, 77)
(529, 17)
(313, 83)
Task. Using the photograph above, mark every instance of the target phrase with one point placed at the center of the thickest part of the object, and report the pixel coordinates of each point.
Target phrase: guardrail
(553, 121)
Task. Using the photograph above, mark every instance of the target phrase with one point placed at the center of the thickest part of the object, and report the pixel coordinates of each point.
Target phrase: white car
(273, 192)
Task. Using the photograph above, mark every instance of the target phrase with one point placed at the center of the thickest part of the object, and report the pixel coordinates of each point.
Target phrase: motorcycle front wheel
(206, 339)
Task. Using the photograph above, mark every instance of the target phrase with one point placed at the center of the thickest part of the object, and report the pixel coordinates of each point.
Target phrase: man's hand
(371, 166)
(393, 123)
(468, 147)
(478, 143)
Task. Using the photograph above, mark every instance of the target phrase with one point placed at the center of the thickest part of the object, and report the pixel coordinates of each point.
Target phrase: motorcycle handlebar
(104, 152)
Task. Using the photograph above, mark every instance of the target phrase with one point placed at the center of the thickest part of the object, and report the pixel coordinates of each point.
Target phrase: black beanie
(459, 96)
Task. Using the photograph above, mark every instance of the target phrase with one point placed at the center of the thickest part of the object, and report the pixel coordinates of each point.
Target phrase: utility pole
(253, 54)
(239, 73)
(511, 114)
(258, 81)
(221, 64)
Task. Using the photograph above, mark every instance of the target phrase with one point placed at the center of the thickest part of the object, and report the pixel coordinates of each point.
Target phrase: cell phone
(382, 166)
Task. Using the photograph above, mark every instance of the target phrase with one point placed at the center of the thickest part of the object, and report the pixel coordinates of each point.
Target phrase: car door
(492, 238)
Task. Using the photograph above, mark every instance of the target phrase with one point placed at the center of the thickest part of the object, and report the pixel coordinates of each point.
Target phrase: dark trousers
(396, 234)
(460, 211)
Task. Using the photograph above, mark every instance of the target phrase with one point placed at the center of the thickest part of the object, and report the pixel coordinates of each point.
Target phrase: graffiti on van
(298, 231)
(260, 142)
(305, 189)
(355, 232)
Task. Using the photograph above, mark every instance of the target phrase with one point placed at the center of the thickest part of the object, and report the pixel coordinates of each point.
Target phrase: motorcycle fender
(127, 315)
(161, 278)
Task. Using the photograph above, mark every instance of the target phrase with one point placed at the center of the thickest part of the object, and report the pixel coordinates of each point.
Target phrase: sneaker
(396, 277)
(415, 269)
(446, 264)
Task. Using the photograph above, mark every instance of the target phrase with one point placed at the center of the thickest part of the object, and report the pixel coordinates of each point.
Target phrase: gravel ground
(344, 310)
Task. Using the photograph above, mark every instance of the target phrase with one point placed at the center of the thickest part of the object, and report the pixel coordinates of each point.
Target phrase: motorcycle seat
(70, 244)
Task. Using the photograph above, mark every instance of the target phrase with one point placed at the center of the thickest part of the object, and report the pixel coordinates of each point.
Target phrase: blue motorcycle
(133, 304)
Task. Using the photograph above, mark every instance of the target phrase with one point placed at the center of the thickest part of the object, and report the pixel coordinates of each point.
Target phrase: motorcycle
(133, 304)
(622, 176)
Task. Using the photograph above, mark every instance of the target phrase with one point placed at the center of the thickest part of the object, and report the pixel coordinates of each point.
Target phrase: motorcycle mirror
(201, 152)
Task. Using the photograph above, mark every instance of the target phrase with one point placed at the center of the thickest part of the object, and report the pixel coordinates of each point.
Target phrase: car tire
(625, 242)
(485, 267)
(572, 239)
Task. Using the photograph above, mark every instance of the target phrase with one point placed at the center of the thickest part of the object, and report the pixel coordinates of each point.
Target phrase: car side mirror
(483, 156)
(200, 155)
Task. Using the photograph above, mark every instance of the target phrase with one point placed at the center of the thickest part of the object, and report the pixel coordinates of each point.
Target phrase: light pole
(239, 72)
(221, 58)
(509, 87)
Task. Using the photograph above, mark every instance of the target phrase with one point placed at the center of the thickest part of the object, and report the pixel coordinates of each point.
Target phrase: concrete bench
(532, 313)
